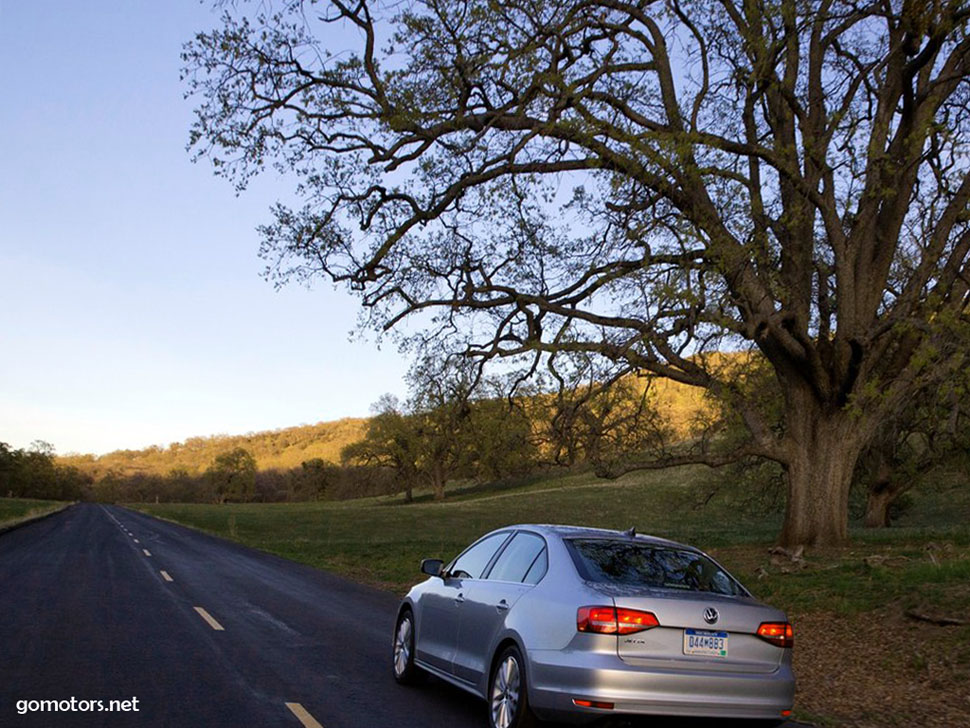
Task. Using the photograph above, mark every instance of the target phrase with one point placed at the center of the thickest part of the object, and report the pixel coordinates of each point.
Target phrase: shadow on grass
(480, 488)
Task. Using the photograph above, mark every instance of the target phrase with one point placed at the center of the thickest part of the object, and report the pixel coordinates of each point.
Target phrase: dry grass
(18, 510)
(284, 448)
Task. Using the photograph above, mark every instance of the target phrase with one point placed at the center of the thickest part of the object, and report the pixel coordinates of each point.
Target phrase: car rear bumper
(557, 678)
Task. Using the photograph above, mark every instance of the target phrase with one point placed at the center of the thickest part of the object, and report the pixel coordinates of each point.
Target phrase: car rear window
(644, 564)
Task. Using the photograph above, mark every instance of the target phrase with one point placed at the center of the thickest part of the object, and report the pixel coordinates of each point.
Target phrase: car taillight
(779, 634)
(609, 620)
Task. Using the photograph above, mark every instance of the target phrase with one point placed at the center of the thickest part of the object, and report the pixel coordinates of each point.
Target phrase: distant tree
(932, 428)
(32, 473)
(8, 467)
(273, 485)
(391, 441)
(501, 438)
(443, 430)
(183, 487)
(440, 414)
(605, 419)
(312, 479)
(110, 487)
(42, 447)
(233, 475)
(72, 483)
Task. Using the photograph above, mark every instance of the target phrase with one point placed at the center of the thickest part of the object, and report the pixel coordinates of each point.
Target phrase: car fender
(502, 639)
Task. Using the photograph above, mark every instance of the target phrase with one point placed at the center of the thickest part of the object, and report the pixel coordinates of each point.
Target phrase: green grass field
(381, 540)
(834, 597)
(16, 509)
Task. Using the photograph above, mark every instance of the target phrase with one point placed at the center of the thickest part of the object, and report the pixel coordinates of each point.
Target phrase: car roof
(569, 532)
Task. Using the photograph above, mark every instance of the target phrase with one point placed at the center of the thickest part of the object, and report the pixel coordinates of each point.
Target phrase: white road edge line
(209, 618)
(165, 575)
(305, 718)
(147, 552)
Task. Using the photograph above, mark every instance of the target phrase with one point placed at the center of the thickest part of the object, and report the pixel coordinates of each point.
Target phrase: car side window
(473, 561)
(517, 559)
(538, 569)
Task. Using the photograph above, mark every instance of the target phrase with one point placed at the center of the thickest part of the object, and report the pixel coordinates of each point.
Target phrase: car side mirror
(432, 567)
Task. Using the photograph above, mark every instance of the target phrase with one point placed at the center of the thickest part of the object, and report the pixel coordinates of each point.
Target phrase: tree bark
(878, 501)
(438, 481)
(880, 496)
(823, 445)
(887, 483)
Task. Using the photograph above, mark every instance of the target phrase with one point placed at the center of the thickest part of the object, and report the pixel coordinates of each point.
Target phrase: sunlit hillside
(681, 405)
(291, 446)
(284, 448)
(678, 404)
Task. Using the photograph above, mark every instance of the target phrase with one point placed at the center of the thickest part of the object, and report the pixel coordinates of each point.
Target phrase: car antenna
(632, 533)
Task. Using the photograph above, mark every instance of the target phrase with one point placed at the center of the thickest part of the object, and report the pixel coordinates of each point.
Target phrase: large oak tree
(634, 180)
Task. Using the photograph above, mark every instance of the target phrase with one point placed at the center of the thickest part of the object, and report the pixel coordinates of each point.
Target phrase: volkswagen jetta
(570, 623)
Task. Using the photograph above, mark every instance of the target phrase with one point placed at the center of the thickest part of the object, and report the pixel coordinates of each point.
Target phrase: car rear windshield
(631, 563)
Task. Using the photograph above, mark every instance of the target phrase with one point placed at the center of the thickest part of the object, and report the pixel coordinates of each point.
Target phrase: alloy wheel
(402, 646)
(505, 693)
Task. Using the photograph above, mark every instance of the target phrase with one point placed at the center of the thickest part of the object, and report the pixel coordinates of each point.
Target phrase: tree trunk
(881, 495)
(878, 501)
(438, 481)
(887, 485)
(823, 447)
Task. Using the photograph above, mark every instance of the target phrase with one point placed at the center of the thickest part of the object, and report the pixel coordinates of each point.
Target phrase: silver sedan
(575, 624)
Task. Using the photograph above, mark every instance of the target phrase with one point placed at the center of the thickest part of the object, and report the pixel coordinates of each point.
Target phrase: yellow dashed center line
(209, 618)
(305, 718)
(147, 552)
(165, 576)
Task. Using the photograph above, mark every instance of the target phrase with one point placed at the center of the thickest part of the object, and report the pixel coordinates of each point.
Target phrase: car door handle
(502, 606)
(459, 599)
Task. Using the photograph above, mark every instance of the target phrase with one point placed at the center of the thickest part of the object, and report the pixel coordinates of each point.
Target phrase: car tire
(402, 654)
(508, 693)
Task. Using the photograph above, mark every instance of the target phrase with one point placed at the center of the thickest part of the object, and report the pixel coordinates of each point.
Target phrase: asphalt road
(86, 613)
(99, 603)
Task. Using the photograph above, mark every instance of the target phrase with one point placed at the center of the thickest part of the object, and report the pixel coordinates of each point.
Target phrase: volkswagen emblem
(710, 615)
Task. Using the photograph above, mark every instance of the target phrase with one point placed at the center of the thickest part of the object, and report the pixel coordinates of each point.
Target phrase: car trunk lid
(720, 631)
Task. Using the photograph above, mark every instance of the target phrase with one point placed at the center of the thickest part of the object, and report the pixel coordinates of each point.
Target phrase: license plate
(709, 644)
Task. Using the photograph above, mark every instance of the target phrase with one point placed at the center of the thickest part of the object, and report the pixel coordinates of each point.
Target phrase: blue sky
(131, 307)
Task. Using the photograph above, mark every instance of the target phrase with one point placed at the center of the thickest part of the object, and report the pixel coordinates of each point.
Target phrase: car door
(489, 600)
(441, 603)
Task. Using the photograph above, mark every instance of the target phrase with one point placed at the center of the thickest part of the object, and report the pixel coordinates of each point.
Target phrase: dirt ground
(881, 669)
(873, 666)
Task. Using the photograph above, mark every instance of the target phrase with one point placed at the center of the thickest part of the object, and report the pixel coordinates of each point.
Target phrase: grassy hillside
(861, 661)
(290, 446)
(285, 448)
(678, 404)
